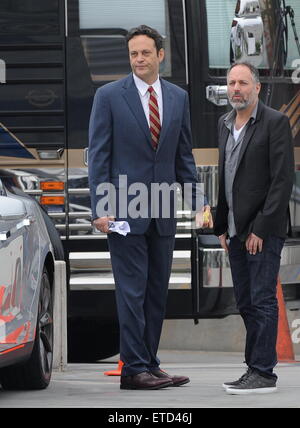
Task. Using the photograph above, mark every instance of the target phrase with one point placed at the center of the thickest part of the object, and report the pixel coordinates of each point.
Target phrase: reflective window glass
(226, 27)
(220, 14)
(104, 25)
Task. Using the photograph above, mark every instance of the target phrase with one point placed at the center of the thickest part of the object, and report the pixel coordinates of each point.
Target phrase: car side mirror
(11, 209)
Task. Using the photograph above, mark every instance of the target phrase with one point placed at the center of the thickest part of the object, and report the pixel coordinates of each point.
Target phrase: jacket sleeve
(281, 167)
(221, 216)
(100, 146)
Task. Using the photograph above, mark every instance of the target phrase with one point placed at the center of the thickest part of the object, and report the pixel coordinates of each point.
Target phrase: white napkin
(121, 227)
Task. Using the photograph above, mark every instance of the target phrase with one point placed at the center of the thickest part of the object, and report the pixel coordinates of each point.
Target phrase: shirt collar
(229, 119)
(142, 86)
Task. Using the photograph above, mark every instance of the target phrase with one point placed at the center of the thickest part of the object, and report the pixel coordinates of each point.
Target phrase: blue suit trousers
(141, 267)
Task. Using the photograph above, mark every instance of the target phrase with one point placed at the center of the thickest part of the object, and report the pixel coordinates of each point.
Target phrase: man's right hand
(204, 218)
(101, 223)
(223, 241)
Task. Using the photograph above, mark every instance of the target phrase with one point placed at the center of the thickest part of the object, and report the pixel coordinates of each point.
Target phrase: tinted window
(220, 16)
(104, 25)
(30, 17)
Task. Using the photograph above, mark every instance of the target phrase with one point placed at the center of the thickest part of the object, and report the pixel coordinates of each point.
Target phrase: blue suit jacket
(120, 144)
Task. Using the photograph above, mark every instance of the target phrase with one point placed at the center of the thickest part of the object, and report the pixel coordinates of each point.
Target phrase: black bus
(54, 54)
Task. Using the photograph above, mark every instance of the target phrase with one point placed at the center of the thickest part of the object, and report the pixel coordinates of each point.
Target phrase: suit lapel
(222, 145)
(249, 134)
(131, 95)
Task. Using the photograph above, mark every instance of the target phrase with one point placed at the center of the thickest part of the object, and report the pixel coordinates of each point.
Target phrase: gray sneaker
(226, 385)
(254, 383)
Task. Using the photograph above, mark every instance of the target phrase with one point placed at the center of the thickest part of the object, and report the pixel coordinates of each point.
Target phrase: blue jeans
(255, 279)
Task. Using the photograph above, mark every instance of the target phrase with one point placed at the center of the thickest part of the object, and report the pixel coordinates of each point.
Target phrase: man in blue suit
(140, 135)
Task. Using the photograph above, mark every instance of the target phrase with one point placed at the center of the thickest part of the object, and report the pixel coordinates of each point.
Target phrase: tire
(92, 340)
(35, 373)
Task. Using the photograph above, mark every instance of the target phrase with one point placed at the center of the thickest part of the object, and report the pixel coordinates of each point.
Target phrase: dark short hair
(144, 30)
(251, 67)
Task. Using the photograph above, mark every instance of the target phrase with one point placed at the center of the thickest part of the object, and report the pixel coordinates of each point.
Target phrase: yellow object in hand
(206, 216)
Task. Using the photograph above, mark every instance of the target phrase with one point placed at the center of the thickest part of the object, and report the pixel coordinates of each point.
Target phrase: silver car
(26, 294)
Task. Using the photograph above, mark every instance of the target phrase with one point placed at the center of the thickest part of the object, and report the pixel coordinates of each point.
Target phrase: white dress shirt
(144, 94)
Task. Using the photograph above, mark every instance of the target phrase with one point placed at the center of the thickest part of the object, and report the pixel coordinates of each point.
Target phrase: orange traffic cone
(284, 346)
(115, 372)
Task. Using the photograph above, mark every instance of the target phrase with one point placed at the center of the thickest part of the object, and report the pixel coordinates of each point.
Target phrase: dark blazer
(120, 144)
(264, 177)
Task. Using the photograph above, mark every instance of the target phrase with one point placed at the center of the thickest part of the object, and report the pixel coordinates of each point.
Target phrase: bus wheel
(92, 340)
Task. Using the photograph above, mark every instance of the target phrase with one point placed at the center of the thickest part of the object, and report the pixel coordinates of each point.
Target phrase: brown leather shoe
(176, 380)
(144, 380)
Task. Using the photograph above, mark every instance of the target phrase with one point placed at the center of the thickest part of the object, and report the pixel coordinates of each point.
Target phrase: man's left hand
(254, 244)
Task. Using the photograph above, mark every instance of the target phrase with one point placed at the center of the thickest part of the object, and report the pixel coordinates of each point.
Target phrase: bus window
(103, 28)
(29, 18)
(220, 14)
(235, 33)
(245, 25)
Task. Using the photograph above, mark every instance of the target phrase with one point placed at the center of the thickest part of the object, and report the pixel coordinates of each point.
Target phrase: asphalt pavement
(86, 386)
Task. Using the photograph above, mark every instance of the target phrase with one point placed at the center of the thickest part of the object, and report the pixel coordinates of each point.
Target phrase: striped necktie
(154, 118)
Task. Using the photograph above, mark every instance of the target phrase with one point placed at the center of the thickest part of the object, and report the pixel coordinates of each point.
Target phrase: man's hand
(204, 218)
(254, 244)
(223, 241)
(101, 223)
